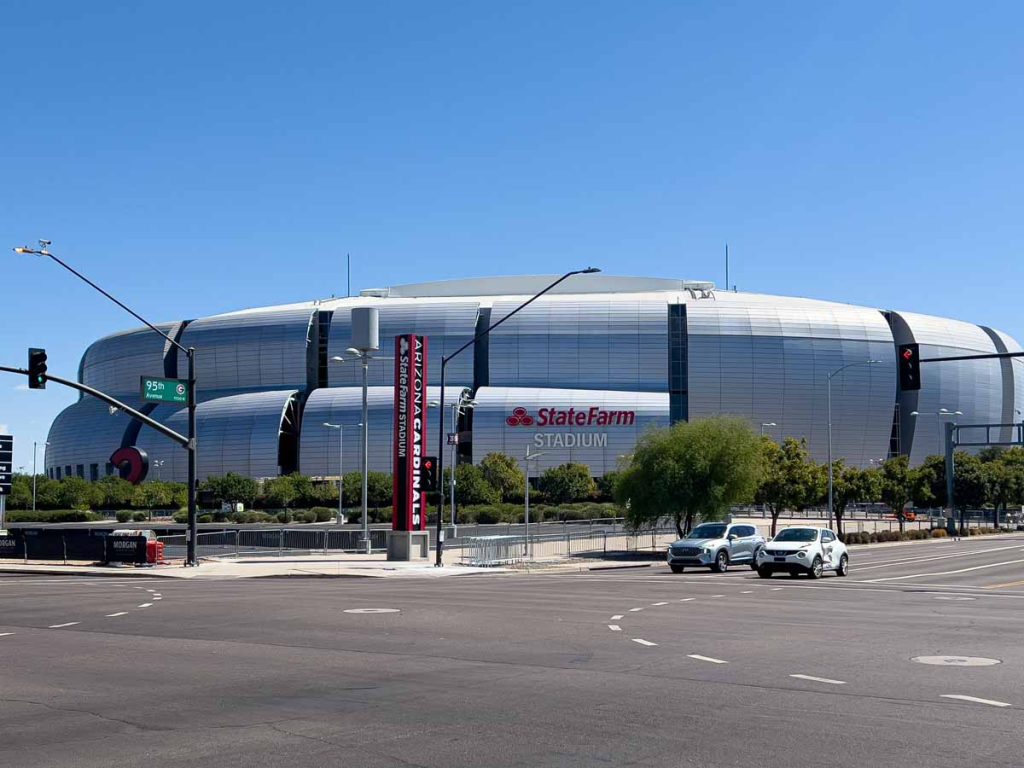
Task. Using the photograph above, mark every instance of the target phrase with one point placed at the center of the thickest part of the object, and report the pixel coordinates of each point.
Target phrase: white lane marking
(67, 624)
(698, 657)
(687, 599)
(747, 592)
(718, 595)
(954, 597)
(145, 605)
(157, 594)
(819, 679)
(157, 597)
(775, 589)
(151, 590)
(372, 610)
(616, 617)
(956, 661)
(614, 627)
(871, 565)
(119, 613)
(944, 573)
(976, 700)
(634, 610)
(643, 642)
(5, 634)
(659, 603)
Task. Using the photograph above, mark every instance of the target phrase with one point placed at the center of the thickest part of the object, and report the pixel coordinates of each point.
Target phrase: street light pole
(830, 375)
(444, 365)
(767, 424)
(458, 409)
(341, 466)
(190, 353)
(528, 548)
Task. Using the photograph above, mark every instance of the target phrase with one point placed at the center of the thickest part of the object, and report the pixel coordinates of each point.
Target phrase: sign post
(6, 474)
(408, 537)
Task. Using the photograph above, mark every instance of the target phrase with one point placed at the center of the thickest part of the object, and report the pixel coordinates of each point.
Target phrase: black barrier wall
(91, 546)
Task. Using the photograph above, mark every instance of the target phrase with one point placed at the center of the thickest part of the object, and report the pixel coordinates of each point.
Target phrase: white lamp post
(341, 467)
(526, 519)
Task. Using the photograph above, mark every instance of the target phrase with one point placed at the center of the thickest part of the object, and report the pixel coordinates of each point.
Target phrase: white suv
(803, 550)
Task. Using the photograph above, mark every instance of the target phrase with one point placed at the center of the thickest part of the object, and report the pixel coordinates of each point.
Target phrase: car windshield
(797, 534)
(707, 532)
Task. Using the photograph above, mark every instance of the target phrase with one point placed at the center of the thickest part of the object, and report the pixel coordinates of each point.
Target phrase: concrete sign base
(408, 545)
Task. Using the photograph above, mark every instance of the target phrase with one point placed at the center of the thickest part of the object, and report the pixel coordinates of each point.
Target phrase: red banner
(410, 433)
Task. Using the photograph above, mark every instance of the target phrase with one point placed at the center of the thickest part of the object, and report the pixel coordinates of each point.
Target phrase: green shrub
(123, 515)
(305, 516)
(181, 516)
(939, 533)
(203, 519)
(284, 516)
(139, 517)
(52, 516)
(322, 514)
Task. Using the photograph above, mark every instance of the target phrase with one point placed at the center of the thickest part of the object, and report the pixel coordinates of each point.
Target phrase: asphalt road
(622, 667)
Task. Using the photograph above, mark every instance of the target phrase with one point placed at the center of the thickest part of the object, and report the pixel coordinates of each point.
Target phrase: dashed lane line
(641, 641)
(775, 589)
(157, 597)
(145, 605)
(664, 603)
(747, 592)
(718, 595)
(975, 700)
(814, 679)
(687, 599)
(616, 617)
(6, 634)
(698, 657)
(873, 564)
(66, 624)
(614, 627)
(634, 610)
(942, 573)
(115, 615)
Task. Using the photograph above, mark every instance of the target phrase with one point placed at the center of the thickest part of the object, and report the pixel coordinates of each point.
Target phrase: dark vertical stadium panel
(448, 325)
(678, 364)
(84, 432)
(255, 349)
(115, 363)
(974, 387)
(767, 359)
(593, 342)
(598, 446)
(319, 445)
(237, 433)
(1007, 388)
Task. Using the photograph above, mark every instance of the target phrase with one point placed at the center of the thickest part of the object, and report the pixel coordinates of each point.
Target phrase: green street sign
(156, 390)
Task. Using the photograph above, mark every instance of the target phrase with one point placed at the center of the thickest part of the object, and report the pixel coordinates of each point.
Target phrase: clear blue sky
(201, 157)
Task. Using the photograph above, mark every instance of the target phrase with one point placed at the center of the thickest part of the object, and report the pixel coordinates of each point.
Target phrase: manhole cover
(956, 661)
(372, 610)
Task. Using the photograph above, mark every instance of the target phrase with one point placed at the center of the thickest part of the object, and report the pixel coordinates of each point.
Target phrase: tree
(473, 487)
(76, 493)
(504, 475)
(969, 489)
(690, 471)
(790, 480)
(928, 483)
(849, 485)
(606, 485)
(279, 492)
(567, 483)
(232, 487)
(896, 486)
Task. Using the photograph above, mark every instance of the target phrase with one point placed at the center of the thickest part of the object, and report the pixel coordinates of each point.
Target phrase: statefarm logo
(571, 417)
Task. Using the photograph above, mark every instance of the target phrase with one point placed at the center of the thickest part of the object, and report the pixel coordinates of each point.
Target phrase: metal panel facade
(318, 445)
(585, 342)
(247, 351)
(768, 361)
(971, 386)
(499, 427)
(84, 434)
(448, 325)
(238, 433)
(115, 363)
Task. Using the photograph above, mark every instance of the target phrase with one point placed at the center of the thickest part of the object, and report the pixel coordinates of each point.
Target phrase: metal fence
(273, 541)
(509, 550)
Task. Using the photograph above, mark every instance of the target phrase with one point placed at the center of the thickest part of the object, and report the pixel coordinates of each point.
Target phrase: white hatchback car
(803, 550)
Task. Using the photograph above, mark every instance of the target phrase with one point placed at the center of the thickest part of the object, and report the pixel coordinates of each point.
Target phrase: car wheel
(844, 566)
(676, 568)
(816, 568)
(764, 573)
(721, 564)
(753, 560)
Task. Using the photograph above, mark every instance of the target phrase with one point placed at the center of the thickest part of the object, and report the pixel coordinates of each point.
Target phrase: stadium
(579, 375)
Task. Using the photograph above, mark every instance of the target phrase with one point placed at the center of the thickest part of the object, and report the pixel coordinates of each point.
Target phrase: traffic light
(36, 368)
(428, 481)
(910, 367)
